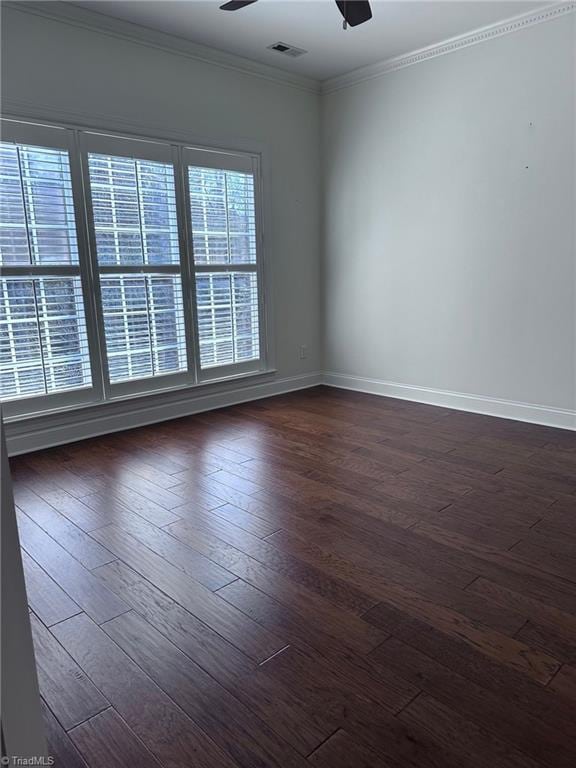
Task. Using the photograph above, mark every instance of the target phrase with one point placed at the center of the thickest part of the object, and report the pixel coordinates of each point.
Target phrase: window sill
(167, 393)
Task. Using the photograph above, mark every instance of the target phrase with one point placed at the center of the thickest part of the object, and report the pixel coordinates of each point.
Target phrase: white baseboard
(54, 429)
(489, 406)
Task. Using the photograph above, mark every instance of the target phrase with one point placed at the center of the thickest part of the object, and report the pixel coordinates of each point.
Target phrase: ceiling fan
(354, 11)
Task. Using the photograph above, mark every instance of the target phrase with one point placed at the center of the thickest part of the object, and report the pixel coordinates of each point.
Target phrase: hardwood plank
(126, 479)
(74, 509)
(526, 731)
(288, 623)
(59, 745)
(410, 488)
(502, 568)
(399, 549)
(48, 601)
(477, 746)
(220, 715)
(510, 686)
(107, 742)
(558, 562)
(209, 495)
(280, 707)
(553, 640)
(538, 611)
(195, 565)
(508, 683)
(565, 682)
(507, 651)
(538, 478)
(73, 539)
(383, 582)
(356, 670)
(234, 481)
(157, 721)
(87, 591)
(355, 712)
(119, 497)
(110, 511)
(205, 605)
(71, 696)
(131, 459)
(258, 526)
(341, 751)
(276, 560)
(313, 607)
(49, 472)
(481, 530)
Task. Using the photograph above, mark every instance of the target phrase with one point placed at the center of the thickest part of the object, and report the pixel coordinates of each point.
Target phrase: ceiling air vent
(287, 50)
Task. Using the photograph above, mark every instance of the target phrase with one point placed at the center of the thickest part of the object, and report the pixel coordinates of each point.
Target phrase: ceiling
(397, 27)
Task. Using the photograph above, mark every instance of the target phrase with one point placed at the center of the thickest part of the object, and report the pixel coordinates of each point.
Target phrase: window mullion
(187, 263)
(140, 269)
(86, 255)
(226, 268)
(48, 271)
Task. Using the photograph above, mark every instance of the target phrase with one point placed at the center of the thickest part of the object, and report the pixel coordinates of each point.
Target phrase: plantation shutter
(127, 266)
(43, 338)
(135, 232)
(222, 205)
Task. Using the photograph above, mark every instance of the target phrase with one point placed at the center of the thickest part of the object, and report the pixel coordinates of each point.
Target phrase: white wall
(449, 208)
(55, 66)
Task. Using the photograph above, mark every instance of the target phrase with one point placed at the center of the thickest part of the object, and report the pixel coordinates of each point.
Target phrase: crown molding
(481, 35)
(68, 13)
(83, 18)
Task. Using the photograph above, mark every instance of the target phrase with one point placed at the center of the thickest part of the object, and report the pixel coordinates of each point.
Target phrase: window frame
(227, 161)
(56, 137)
(77, 139)
(99, 143)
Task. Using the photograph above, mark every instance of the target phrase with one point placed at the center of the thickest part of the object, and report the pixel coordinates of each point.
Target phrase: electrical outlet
(303, 351)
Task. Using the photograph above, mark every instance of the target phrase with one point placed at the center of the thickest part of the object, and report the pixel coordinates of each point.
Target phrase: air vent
(287, 50)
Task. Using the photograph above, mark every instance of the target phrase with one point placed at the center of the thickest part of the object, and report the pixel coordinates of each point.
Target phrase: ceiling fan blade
(355, 11)
(235, 5)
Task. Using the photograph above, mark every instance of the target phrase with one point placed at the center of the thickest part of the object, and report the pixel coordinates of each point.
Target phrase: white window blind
(135, 226)
(43, 339)
(223, 218)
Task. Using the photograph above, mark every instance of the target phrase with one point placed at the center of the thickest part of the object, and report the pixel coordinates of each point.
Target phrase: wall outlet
(303, 352)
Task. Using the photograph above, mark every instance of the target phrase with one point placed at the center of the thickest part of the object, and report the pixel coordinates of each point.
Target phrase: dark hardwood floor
(323, 578)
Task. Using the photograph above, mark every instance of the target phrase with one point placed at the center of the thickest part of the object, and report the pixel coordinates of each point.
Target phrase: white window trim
(55, 137)
(28, 129)
(194, 156)
(100, 143)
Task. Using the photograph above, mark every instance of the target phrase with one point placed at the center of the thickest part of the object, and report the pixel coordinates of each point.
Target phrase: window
(222, 212)
(134, 226)
(127, 266)
(43, 337)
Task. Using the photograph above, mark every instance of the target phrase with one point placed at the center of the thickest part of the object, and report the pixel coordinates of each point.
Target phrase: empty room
(288, 384)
